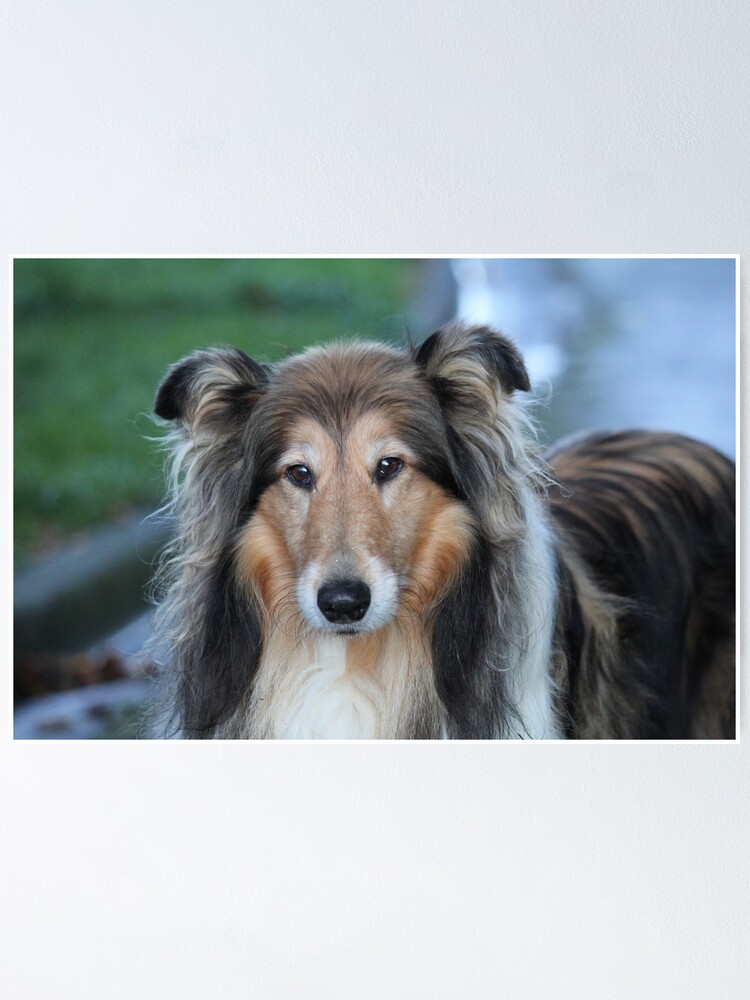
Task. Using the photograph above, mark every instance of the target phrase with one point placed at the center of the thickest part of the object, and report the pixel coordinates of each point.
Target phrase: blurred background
(610, 342)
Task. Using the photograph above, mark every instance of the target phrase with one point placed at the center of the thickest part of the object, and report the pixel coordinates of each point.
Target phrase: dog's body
(368, 548)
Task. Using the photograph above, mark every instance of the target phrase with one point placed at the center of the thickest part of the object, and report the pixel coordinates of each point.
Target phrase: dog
(370, 546)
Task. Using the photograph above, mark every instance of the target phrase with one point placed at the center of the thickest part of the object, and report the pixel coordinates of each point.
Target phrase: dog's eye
(388, 468)
(300, 475)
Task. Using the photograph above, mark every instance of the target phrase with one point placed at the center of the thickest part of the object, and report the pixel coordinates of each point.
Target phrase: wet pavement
(616, 343)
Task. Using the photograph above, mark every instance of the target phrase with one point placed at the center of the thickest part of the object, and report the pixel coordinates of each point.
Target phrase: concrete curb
(76, 597)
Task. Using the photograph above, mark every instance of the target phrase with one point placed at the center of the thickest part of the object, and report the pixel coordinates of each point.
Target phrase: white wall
(373, 871)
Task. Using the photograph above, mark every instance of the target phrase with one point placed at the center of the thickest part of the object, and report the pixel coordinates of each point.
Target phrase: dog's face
(352, 533)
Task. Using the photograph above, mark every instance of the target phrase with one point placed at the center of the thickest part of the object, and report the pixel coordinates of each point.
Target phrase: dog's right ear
(462, 360)
(219, 384)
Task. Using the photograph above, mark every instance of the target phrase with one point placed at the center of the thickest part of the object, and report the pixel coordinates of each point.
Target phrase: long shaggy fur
(586, 594)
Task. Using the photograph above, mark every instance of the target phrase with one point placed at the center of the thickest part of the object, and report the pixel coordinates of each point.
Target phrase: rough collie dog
(368, 546)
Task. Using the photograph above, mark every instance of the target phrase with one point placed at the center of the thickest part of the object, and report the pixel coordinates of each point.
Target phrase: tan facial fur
(403, 537)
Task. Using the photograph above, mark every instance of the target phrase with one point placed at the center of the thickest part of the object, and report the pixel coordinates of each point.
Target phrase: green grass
(92, 339)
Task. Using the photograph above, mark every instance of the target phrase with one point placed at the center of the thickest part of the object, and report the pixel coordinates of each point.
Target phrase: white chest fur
(321, 699)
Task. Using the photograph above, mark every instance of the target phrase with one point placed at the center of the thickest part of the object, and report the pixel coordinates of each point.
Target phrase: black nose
(344, 600)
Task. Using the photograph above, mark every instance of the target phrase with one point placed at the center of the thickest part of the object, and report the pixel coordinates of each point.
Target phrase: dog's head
(346, 486)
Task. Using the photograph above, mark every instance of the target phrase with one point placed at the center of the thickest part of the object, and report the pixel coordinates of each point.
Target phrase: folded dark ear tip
(511, 369)
(424, 351)
(172, 394)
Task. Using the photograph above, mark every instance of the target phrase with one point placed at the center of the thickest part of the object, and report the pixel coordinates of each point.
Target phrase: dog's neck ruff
(334, 687)
(322, 699)
(326, 700)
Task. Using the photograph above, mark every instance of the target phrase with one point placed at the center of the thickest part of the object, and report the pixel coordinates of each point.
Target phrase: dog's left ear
(472, 372)
(461, 360)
